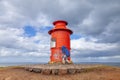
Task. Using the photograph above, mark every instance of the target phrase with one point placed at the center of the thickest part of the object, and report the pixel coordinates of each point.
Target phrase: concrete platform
(59, 69)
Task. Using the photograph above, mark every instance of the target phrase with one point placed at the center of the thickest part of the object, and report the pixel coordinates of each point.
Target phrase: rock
(62, 71)
(30, 69)
(78, 70)
(46, 71)
(82, 70)
(55, 71)
(37, 70)
(71, 71)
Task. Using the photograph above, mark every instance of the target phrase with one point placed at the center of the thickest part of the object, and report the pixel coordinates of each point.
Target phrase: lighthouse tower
(60, 37)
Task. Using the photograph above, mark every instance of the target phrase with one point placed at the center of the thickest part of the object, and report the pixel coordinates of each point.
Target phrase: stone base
(59, 69)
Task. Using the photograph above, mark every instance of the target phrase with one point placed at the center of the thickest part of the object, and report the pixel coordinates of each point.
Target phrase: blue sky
(29, 31)
(24, 26)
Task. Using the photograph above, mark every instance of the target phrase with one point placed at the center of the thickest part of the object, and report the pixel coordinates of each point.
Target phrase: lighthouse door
(53, 43)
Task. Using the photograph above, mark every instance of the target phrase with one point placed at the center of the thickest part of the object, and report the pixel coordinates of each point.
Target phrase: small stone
(55, 71)
(71, 71)
(46, 71)
(30, 69)
(37, 70)
(78, 70)
(62, 71)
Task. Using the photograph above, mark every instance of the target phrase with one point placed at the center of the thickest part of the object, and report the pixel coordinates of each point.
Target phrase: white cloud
(91, 44)
(97, 59)
(89, 21)
(14, 43)
(10, 16)
(42, 20)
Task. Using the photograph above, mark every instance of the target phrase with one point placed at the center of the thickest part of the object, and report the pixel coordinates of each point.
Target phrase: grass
(11, 67)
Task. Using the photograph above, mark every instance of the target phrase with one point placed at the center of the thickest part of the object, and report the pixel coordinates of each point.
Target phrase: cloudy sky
(24, 26)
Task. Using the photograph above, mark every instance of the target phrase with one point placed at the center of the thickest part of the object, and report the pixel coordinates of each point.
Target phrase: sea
(6, 64)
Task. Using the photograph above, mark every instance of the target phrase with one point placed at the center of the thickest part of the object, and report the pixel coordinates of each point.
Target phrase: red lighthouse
(60, 36)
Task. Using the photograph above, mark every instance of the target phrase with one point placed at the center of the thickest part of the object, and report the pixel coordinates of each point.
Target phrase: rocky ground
(96, 73)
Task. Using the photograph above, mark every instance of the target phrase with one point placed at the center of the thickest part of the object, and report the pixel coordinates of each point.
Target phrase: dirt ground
(103, 73)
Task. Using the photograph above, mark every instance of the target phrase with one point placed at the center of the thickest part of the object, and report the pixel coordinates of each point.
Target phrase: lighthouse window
(53, 42)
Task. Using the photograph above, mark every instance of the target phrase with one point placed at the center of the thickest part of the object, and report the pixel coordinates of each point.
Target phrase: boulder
(30, 69)
(55, 71)
(37, 70)
(62, 71)
(46, 71)
(78, 70)
(71, 71)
